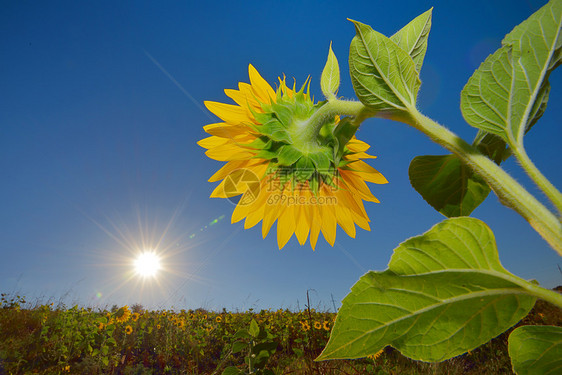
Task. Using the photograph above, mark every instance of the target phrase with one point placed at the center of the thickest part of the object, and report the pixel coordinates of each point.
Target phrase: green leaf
(238, 346)
(384, 76)
(444, 293)
(412, 38)
(298, 352)
(345, 130)
(242, 334)
(254, 328)
(536, 350)
(231, 370)
(450, 186)
(447, 184)
(492, 146)
(330, 79)
(509, 91)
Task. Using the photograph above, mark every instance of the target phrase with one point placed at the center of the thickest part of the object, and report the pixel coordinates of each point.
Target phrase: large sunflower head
(290, 162)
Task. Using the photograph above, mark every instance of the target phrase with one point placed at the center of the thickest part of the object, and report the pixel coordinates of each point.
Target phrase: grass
(48, 339)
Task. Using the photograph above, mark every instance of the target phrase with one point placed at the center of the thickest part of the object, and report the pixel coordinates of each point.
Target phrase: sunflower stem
(334, 107)
(542, 182)
(510, 192)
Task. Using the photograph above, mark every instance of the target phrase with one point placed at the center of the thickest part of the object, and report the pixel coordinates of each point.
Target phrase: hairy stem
(510, 192)
(544, 294)
(542, 182)
(337, 107)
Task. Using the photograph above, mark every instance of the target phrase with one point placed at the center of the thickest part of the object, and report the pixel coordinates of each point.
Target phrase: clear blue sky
(98, 153)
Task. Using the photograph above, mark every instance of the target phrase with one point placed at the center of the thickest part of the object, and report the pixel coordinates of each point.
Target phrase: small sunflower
(123, 314)
(376, 355)
(308, 178)
(128, 330)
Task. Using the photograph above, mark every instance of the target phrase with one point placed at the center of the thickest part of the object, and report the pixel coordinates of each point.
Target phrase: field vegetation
(50, 339)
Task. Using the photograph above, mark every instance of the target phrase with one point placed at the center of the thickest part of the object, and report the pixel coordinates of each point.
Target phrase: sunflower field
(49, 339)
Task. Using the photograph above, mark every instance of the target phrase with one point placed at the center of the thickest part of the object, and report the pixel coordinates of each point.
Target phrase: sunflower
(304, 325)
(128, 329)
(309, 179)
(123, 314)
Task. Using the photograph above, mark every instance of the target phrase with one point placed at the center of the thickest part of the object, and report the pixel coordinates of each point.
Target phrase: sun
(147, 264)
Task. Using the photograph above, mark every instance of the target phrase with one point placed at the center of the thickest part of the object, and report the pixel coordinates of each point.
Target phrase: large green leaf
(536, 350)
(412, 38)
(444, 293)
(447, 184)
(330, 79)
(509, 91)
(384, 76)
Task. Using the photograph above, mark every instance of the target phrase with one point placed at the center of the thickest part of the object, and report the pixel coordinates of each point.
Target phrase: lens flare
(147, 264)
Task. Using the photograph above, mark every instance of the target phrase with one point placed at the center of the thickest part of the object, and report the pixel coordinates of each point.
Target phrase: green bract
(330, 79)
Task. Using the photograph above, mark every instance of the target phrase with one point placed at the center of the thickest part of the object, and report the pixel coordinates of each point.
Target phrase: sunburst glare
(147, 264)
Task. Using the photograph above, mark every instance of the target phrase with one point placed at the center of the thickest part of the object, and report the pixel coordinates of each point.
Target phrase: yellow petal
(315, 225)
(242, 98)
(256, 215)
(358, 156)
(211, 142)
(239, 213)
(286, 225)
(229, 152)
(232, 114)
(227, 169)
(356, 145)
(246, 206)
(225, 130)
(271, 211)
(261, 88)
(329, 223)
(366, 172)
(256, 209)
(361, 221)
(357, 185)
(221, 192)
(345, 220)
(248, 92)
(302, 223)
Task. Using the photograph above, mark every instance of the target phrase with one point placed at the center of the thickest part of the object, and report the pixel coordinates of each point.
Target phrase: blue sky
(100, 114)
